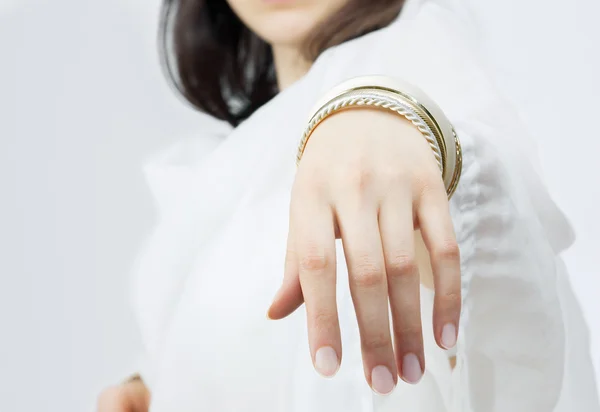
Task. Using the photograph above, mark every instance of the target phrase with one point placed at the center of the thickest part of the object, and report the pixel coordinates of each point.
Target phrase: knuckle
(367, 279)
(451, 300)
(324, 320)
(409, 336)
(377, 342)
(447, 250)
(367, 273)
(314, 261)
(401, 265)
(409, 333)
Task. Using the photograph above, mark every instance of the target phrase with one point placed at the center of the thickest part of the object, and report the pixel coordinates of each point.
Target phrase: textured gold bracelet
(451, 188)
(403, 105)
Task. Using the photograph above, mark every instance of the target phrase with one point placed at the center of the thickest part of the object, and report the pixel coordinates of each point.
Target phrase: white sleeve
(172, 176)
(512, 344)
(511, 347)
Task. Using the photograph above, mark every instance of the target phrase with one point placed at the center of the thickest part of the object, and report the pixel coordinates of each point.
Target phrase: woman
(378, 177)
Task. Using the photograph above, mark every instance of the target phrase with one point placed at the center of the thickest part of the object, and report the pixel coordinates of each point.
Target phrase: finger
(289, 297)
(397, 236)
(439, 238)
(132, 396)
(368, 287)
(112, 400)
(314, 241)
(138, 395)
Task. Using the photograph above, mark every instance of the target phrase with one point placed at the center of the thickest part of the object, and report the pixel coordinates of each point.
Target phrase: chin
(284, 22)
(287, 30)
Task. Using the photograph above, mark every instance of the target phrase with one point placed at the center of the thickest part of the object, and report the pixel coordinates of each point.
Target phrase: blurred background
(83, 103)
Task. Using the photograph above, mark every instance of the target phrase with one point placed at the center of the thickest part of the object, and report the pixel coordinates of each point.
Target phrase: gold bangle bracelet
(404, 105)
(457, 167)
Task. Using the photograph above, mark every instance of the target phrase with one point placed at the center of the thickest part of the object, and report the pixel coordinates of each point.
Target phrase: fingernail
(382, 380)
(326, 361)
(449, 336)
(411, 368)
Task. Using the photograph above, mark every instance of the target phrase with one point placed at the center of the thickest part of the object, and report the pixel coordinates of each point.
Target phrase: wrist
(403, 100)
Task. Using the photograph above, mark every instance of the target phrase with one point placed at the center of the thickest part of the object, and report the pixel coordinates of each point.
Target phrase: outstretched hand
(370, 178)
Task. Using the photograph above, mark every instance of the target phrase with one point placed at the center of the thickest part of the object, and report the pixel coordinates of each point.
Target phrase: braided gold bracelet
(446, 149)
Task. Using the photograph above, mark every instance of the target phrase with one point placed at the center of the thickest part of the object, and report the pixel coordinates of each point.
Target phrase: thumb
(289, 297)
(139, 396)
(131, 396)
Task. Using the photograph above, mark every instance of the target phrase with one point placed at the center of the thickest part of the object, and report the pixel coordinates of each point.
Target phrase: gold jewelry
(451, 188)
(382, 99)
(375, 91)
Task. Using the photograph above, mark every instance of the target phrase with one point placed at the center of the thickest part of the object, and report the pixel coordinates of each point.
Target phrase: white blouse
(209, 272)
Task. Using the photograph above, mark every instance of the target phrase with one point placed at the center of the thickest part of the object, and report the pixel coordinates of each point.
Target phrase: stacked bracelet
(405, 100)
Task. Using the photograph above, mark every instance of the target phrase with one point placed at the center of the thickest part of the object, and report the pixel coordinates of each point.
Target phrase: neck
(290, 65)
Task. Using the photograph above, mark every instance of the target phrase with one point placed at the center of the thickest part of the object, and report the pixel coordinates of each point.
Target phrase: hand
(369, 177)
(132, 396)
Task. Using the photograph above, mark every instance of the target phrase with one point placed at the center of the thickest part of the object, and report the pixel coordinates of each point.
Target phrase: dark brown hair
(223, 69)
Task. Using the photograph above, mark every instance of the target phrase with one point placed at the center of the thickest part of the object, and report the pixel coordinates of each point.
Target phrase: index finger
(314, 239)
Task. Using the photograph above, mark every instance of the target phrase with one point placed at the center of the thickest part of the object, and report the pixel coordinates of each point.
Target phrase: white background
(82, 102)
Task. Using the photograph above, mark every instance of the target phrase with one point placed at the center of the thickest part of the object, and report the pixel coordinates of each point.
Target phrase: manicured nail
(382, 380)
(411, 368)
(326, 362)
(449, 336)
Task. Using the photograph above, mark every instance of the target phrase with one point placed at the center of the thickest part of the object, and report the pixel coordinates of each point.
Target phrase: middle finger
(397, 235)
(368, 286)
